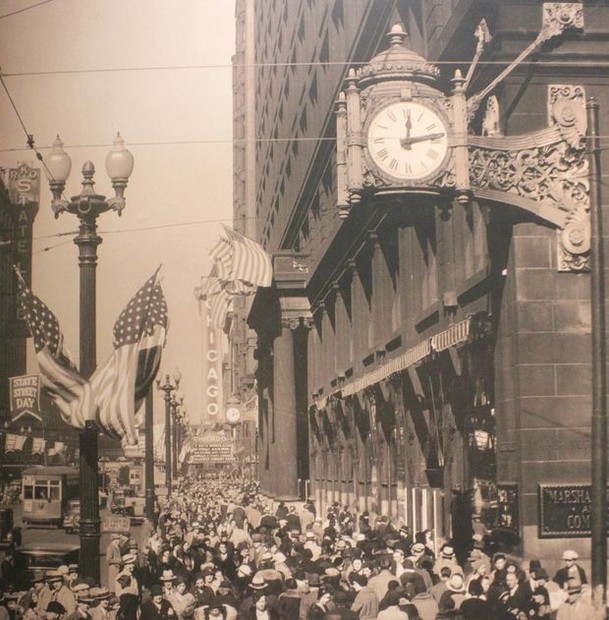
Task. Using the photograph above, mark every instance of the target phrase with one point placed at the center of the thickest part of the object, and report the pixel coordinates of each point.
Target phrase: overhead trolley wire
(27, 8)
(262, 65)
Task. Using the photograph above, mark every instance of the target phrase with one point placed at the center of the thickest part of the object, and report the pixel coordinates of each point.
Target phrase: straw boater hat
(129, 558)
(80, 586)
(100, 594)
(455, 583)
(258, 583)
(448, 552)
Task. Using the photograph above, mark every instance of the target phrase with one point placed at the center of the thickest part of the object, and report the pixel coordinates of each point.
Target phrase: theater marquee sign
(565, 510)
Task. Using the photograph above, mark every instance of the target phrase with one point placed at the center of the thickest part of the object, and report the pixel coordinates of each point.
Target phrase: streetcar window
(41, 492)
(55, 490)
(28, 491)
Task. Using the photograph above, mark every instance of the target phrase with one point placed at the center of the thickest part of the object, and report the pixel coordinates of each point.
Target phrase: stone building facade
(425, 350)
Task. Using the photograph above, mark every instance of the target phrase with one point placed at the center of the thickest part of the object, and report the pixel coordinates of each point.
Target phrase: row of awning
(455, 334)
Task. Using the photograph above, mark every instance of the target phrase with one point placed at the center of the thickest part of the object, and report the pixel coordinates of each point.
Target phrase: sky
(158, 72)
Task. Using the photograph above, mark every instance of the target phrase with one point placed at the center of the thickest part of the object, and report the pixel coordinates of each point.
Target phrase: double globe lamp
(87, 206)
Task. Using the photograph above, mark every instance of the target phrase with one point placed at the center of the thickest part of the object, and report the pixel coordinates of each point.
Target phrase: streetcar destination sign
(565, 510)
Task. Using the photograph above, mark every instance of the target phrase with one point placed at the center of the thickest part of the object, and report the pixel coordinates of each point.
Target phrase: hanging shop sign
(115, 524)
(565, 510)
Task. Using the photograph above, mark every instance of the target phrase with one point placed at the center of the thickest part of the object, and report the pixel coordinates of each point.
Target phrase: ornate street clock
(397, 132)
(396, 129)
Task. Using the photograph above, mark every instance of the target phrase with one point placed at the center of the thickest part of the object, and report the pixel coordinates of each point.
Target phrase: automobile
(71, 516)
(135, 508)
(42, 556)
(117, 504)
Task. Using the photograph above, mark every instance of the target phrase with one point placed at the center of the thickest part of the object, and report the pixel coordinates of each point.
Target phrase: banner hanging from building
(25, 396)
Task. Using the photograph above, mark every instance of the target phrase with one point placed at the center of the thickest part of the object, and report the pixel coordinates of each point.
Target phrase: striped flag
(217, 296)
(251, 263)
(222, 254)
(67, 389)
(219, 306)
(120, 385)
(241, 264)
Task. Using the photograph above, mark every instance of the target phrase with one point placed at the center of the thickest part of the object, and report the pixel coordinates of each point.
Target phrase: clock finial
(397, 36)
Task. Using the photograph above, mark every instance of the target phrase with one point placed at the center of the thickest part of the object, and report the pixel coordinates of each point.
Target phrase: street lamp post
(179, 418)
(88, 206)
(177, 400)
(169, 390)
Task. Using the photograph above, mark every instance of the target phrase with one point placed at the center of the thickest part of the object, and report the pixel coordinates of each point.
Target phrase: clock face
(407, 140)
(233, 414)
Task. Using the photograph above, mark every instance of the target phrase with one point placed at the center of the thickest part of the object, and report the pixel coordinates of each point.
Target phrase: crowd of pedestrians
(220, 550)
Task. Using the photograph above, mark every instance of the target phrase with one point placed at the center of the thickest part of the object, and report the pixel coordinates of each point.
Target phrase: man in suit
(571, 569)
(157, 607)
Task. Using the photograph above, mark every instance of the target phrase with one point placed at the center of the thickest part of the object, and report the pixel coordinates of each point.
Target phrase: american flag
(68, 390)
(241, 263)
(222, 255)
(251, 263)
(121, 384)
(217, 296)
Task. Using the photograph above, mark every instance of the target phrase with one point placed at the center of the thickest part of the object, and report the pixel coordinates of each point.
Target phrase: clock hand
(407, 142)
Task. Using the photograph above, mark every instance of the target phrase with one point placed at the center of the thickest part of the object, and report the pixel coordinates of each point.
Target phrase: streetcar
(46, 494)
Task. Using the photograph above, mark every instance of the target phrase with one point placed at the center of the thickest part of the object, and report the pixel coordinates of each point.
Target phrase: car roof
(49, 547)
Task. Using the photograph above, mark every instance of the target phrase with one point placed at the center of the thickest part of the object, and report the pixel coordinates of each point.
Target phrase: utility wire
(8, 94)
(147, 228)
(333, 63)
(27, 8)
(217, 141)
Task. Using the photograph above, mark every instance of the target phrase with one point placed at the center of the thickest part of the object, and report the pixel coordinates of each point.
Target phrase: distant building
(424, 351)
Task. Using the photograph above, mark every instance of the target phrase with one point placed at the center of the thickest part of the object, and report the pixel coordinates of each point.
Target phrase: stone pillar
(283, 431)
(265, 409)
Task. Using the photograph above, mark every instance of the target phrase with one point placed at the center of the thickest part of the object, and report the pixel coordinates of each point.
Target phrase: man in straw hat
(100, 606)
(257, 584)
(83, 606)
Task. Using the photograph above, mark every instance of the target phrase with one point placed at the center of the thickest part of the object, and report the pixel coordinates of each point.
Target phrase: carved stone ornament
(490, 121)
(574, 242)
(567, 111)
(558, 16)
(541, 173)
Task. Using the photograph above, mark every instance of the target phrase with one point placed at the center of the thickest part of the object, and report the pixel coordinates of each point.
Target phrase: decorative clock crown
(398, 62)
